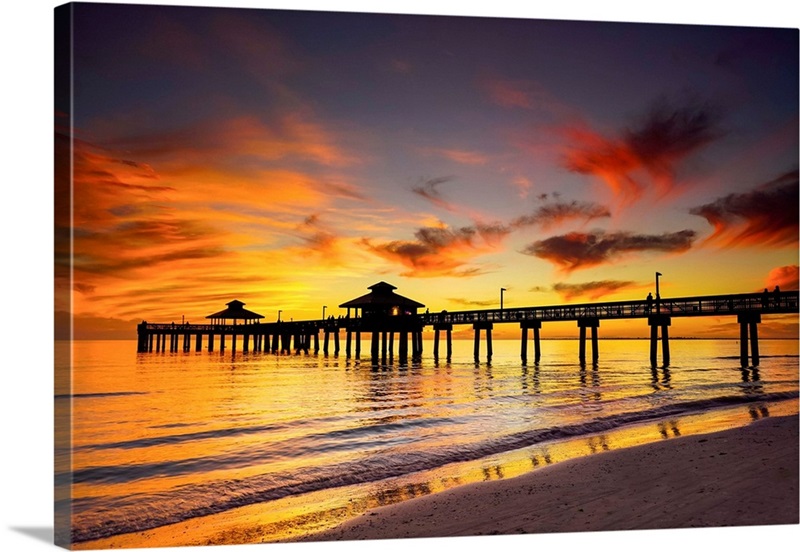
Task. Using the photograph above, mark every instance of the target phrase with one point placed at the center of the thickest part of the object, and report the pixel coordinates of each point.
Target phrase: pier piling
(594, 324)
(655, 322)
(437, 327)
(534, 325)
(748, 328)
(383, 313)
(477, 327)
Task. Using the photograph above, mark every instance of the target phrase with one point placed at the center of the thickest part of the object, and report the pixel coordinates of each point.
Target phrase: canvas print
(339, 276)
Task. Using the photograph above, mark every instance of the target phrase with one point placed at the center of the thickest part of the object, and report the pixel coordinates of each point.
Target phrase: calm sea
(265, 447)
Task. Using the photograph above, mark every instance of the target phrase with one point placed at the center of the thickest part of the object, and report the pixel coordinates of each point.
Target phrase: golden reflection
(203, 416)
(663, 382)
(598, 443)
(292, 517)
(541, 459)
(534, 379)
(669, 429)
(758, 412)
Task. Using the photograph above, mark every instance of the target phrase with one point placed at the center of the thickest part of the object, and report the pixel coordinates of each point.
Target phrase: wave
(138, 512)
(383, 435)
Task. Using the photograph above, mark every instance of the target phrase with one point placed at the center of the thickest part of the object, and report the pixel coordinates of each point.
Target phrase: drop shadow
(43, 534)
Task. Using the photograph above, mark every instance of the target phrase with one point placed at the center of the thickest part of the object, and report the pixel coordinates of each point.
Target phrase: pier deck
(303, 335)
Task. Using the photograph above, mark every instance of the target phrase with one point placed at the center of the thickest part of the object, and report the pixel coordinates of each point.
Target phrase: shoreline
(744, 476)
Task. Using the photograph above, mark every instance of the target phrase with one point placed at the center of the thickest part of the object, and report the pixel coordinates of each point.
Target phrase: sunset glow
(292, 159)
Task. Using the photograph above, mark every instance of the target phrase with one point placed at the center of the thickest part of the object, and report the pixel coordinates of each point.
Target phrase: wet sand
(739, 477)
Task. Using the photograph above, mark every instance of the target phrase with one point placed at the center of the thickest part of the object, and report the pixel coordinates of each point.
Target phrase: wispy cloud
(595, 289)
(647, 154)
(555, 213)
(141, 226)
(578, 250)
(461, 156)
(472, 302)
(441, 251)
(766, 215)
(523, 185)
(244, 139)
(429, 189)
(524, 94)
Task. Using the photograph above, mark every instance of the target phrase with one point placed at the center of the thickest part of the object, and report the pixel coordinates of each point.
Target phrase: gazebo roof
(382, 294)
(235, 311)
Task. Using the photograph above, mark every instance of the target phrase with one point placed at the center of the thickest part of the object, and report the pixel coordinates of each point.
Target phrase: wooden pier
(391, 321)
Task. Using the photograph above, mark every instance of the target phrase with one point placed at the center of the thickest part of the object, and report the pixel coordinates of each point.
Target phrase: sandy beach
(739, 477)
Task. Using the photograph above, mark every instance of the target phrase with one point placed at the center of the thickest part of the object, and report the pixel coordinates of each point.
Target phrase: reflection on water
(669, 429)
(275, 446)
(662, 381)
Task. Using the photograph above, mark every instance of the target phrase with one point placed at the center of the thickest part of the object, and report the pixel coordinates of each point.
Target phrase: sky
(291, 159)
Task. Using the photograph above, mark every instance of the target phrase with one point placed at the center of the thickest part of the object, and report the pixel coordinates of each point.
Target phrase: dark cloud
(646, 153)
(441, 251)
(668, 133)
(579, 250)
(555, 213)
(429, 190)
(767, 215)
(83, 288)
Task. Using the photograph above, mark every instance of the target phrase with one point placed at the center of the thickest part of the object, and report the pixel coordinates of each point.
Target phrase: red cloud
(767, 215)
(786, 277)
(644, 156)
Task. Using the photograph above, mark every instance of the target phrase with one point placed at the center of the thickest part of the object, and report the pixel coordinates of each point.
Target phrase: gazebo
(382, 301)
(235, 311)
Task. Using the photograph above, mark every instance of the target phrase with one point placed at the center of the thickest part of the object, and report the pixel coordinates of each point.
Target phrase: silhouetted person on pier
(777, 293)
(649, 302)
(765, 298)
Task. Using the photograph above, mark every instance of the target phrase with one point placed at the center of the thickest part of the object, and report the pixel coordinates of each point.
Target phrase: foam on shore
(739, 477)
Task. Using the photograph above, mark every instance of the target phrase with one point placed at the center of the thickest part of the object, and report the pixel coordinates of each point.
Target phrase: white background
(26, 207)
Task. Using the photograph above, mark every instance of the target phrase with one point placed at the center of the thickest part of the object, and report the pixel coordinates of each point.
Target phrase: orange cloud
(441, 251)
(143, 232)
(766, 215)
(646, 155)
(594, 290)
(786, 277)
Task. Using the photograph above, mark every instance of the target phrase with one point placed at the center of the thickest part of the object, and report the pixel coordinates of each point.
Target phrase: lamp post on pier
(658, 294)
(279, 315)
(323, 311)
(502, 290)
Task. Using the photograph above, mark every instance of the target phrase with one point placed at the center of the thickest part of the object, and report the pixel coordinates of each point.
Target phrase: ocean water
(203, 448)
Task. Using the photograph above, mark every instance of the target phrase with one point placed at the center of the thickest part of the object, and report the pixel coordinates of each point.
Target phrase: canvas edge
(62, 275)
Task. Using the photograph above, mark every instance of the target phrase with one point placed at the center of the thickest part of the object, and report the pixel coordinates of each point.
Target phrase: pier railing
(279, 336)
(708, 305)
